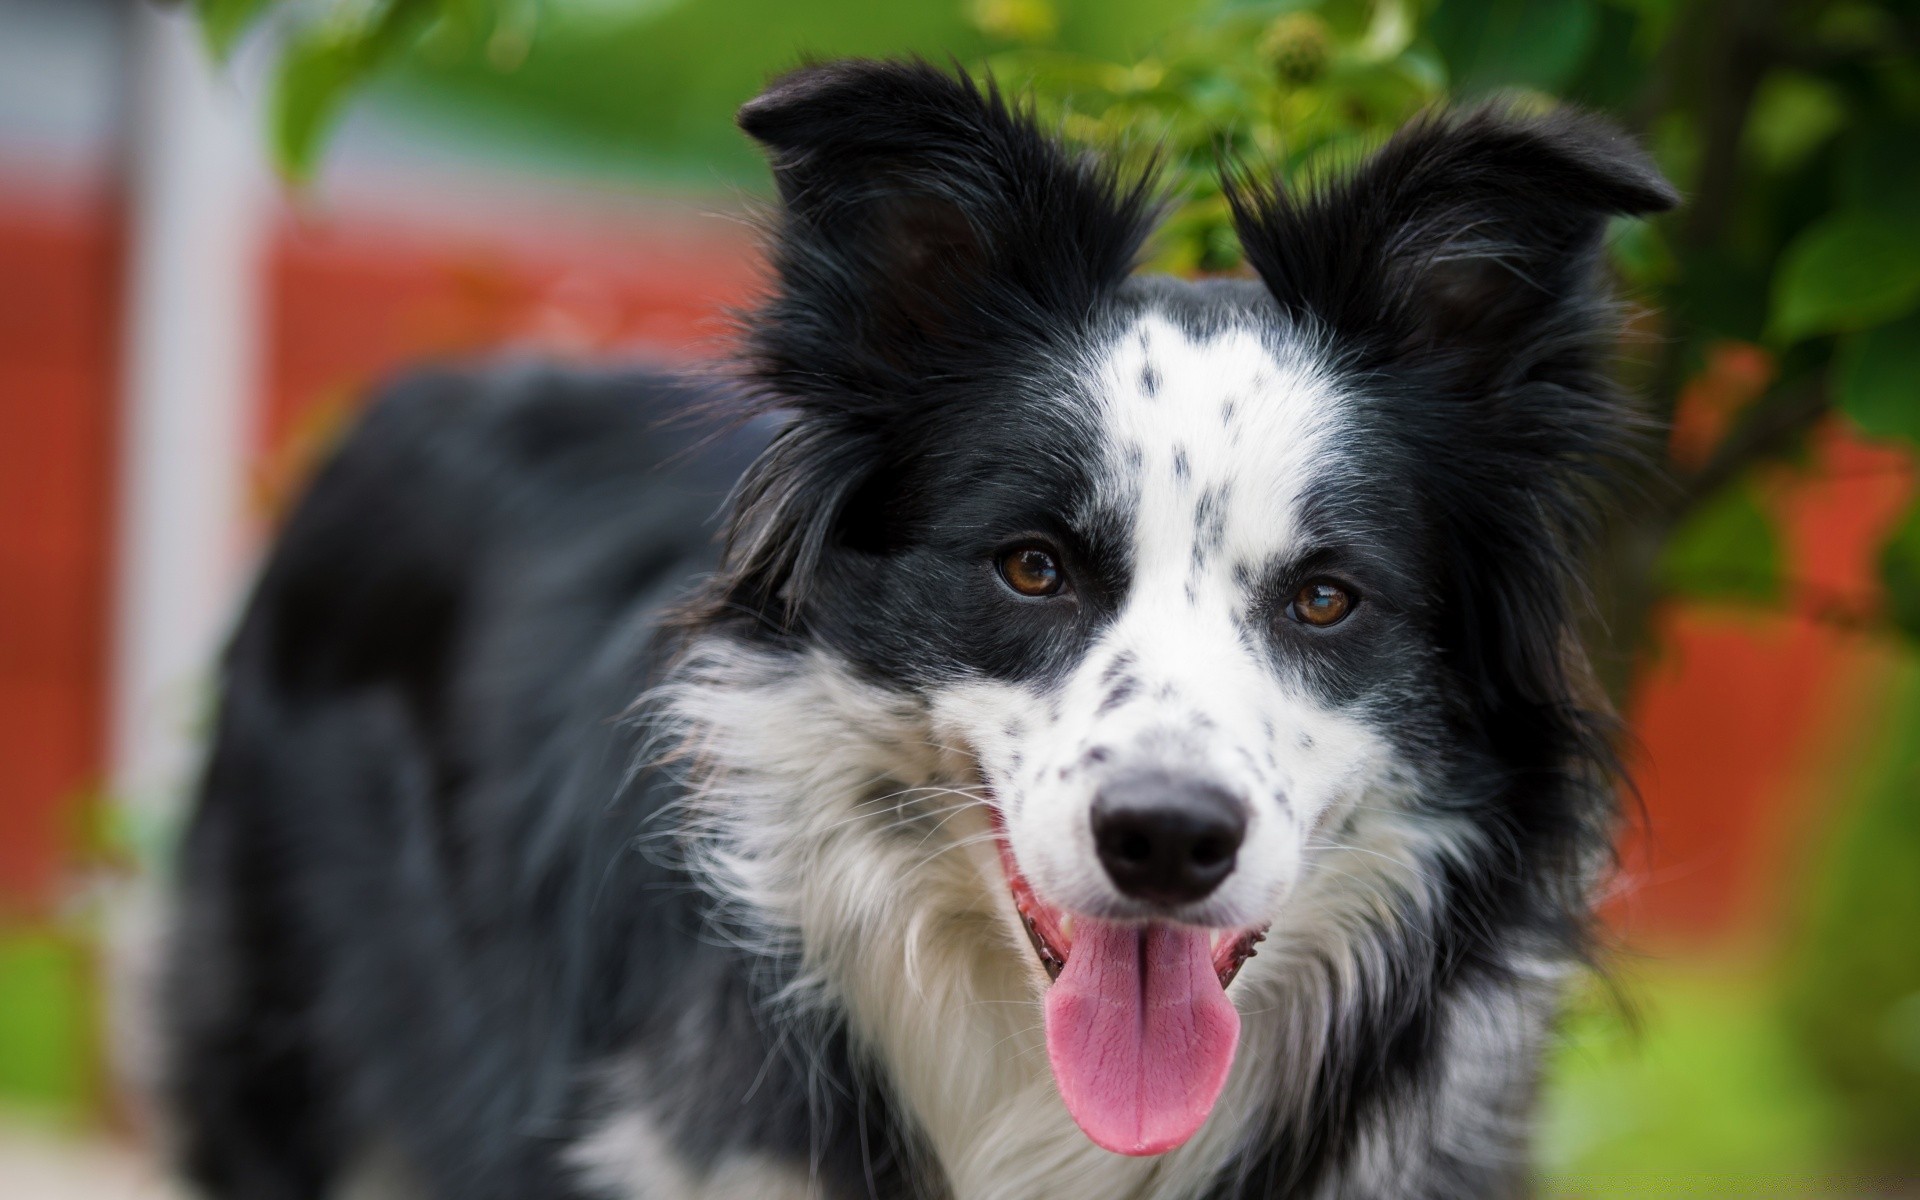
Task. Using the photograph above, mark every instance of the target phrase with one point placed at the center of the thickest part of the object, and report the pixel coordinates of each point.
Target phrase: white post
(199, 202)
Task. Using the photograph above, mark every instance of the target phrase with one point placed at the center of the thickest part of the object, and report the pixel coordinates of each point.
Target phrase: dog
(1045, 731)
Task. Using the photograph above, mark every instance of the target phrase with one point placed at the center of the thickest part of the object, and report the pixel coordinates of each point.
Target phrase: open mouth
(1051, 929)
(1140, 1033)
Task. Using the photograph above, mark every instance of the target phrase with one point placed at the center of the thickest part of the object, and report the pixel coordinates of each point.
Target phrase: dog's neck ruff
(831, 824)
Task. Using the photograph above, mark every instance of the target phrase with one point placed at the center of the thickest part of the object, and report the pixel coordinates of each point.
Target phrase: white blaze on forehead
(1214, 442)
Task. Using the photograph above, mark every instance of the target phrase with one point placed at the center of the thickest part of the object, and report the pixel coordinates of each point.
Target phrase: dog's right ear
(921, 218)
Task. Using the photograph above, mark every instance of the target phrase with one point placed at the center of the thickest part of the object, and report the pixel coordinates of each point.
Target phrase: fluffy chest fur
(843, 829)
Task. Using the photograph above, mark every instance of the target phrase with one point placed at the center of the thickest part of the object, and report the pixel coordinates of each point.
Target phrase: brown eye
(1322, 603)
(1032, 571)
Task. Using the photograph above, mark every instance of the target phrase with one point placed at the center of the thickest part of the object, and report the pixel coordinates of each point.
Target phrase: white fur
(1211, 462)
(629, 1158)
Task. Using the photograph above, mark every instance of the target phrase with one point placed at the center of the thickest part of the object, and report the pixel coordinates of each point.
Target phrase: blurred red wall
(59, 270)
(352, 300)
(1748, 723)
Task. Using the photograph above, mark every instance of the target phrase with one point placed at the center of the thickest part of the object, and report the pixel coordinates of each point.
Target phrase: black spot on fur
(1149, 381)
(1210, 517)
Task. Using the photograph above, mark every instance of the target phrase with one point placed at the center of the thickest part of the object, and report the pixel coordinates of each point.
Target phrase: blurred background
(221, 222)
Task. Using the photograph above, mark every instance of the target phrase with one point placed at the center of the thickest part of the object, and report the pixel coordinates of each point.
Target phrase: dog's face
(1187, 575)
(1232, 649)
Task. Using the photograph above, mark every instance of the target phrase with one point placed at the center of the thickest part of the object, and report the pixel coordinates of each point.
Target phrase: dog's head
(1196, 574)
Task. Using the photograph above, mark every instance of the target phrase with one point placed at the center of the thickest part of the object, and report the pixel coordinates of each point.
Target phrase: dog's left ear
(1458, 276)
(1465, 236)
(921, 215)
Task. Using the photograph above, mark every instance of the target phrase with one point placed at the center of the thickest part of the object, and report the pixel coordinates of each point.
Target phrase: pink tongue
(1140, 1034)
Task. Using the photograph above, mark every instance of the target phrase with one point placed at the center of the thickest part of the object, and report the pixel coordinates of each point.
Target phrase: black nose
(1166, 839)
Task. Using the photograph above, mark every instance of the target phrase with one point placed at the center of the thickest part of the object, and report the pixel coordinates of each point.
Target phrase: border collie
(1071, 635)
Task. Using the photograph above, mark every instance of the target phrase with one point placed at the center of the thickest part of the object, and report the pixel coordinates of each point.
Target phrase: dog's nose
(1167, 840)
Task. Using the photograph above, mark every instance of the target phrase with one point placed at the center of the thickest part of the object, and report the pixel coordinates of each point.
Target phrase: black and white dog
(1070, 634)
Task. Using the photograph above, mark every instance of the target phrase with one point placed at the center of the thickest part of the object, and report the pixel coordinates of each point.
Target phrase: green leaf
(323, 65)
(1793, 115)
(1513, 43)
(1880, 379)
(1900, 572)
(1852, 981)
(1852, 270)
(1640, 252)
(46, 1051)
(1726, 550)
(224, 21)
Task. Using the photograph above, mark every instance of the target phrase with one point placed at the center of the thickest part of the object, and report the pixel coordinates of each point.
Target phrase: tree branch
(1717, 64)
(1771, 427)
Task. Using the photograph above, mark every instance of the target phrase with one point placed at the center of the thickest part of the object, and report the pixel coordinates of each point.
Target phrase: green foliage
(1900, 571)
(324, 63)
(1513, 43)
(1850, 271)
(1727, 549)
(45, 1023)
(1854, 992)
(1880, 379)
(1714, 1096)
(651, 88)
(645, 86)
(224, 21)
(1305, 89)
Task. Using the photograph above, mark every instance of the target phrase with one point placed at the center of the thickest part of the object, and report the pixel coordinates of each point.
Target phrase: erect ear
(921, 216)
(1457, 272)
(1469, 235)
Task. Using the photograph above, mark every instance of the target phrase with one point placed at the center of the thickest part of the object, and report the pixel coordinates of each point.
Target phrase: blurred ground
(39, 1164)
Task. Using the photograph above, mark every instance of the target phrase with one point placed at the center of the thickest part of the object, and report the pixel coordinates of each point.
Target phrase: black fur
(421, 903)
(413, 911)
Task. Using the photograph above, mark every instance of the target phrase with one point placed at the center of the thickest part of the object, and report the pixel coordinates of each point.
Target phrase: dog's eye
(1032, 571)
(1321, 603)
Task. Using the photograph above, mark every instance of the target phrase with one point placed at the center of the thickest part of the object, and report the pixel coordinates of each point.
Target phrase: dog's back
(379, 927)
